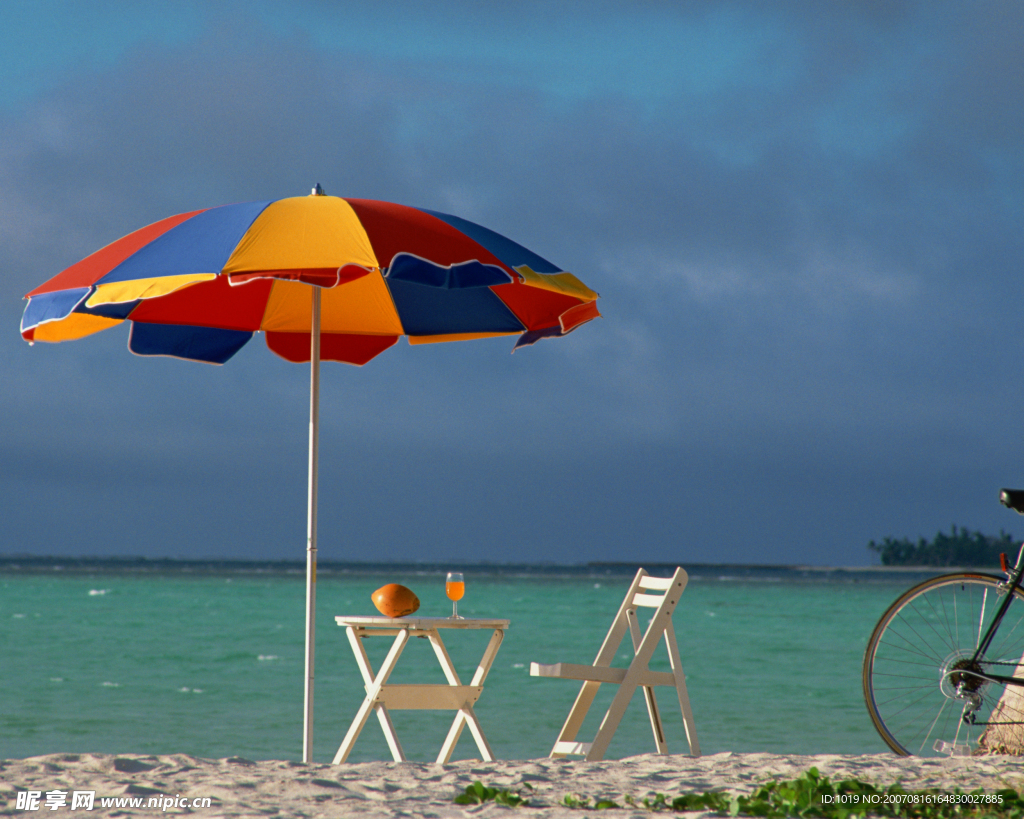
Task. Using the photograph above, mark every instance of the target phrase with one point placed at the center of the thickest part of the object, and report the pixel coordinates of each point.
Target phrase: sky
(804, 220)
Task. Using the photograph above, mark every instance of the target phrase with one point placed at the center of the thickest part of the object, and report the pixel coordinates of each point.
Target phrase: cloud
(805, 230)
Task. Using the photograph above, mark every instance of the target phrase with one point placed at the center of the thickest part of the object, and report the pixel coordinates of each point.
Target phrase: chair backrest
(662, 584)
(640, 595)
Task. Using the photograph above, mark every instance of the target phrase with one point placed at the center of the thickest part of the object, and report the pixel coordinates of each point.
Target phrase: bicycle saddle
(1012, 499)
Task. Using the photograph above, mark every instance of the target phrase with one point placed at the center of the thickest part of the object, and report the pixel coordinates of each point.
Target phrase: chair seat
(581, 748)
(571, 671)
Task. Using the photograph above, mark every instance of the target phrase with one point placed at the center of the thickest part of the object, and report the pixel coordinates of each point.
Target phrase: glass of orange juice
(455, 588)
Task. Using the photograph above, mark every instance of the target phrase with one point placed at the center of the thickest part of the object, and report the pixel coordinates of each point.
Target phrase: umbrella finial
(318, 191)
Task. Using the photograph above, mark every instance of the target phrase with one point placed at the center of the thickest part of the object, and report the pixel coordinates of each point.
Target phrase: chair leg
(684, 698)
(688, 724)
(652, 702)
(652, 712)
(577, 714)
(610, 723)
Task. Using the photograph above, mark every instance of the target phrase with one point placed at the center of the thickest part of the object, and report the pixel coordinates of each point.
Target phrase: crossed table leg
(380, 696)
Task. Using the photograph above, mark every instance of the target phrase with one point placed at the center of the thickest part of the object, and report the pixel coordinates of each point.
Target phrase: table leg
(373, 687)
(445, 755)
(484, 667)
(442, 657)
(388, 728)
(469, 717)
(466, 715)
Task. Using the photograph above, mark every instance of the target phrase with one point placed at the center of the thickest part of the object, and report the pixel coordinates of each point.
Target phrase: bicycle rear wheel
(923, 693)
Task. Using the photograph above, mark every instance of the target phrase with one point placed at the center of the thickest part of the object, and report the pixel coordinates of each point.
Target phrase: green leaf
(478, 793)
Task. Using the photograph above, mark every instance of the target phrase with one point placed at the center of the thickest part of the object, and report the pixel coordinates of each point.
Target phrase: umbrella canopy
(322, 278)
(198, 285)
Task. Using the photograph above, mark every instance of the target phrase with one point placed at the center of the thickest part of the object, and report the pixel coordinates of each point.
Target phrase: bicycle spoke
(932, 726)
(909, 705)
(908, 625)
(902, 677)
(981, 620)
(943, 619)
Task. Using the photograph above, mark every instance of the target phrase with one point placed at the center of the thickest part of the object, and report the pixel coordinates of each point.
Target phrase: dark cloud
(809, 263)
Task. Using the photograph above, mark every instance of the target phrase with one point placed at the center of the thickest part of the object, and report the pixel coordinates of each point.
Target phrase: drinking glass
(455, 588)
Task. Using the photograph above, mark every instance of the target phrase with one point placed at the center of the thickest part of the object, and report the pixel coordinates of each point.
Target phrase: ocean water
(209, 660)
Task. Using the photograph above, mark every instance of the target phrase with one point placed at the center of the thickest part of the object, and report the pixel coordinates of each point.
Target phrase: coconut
(394, 600)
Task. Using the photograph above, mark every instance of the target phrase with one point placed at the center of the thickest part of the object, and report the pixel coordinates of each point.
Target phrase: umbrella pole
(314, 441)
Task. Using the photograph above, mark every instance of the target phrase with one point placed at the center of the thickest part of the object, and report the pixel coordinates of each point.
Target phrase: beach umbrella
(323, 278)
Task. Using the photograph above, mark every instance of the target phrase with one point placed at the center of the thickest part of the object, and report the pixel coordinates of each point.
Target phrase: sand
(240, 787)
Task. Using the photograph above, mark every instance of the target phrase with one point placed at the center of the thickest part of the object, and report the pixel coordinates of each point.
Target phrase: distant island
(959, 548)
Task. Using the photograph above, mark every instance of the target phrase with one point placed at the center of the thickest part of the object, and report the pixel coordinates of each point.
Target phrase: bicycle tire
(917, 677)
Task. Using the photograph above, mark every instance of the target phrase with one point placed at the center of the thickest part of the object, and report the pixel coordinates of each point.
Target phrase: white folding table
(381, 696)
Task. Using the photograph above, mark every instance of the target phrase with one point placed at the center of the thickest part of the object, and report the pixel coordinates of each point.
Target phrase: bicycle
(944, 668)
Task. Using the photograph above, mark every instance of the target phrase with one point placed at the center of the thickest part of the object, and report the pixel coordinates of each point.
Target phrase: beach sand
(240, 787)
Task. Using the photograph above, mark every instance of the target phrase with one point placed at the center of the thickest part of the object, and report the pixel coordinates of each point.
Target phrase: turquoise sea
(207, 658)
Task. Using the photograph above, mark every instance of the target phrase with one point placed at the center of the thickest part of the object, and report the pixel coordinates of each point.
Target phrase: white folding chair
(661, 594)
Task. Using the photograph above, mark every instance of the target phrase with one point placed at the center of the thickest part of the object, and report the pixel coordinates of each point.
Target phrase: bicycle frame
(1013, 581)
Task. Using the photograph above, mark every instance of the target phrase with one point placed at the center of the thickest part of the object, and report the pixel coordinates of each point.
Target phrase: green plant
(809, 795)
(814, 795)
(574, 800)
(708, 801)
(478, 793)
